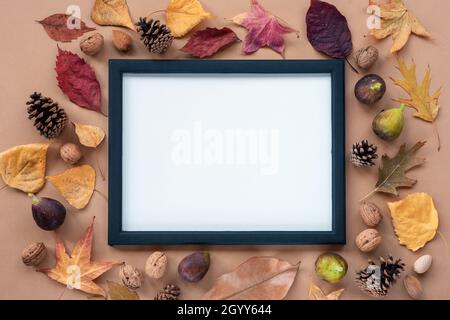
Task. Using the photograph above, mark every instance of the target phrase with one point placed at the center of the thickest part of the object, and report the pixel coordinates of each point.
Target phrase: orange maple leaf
(77, 271)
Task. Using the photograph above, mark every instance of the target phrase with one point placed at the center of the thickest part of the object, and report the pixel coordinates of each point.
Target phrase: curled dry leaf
(76, 185)
(57, 24)
(77, 271)
(206, 43)
(89, 136)
(119, 292)
(112, 13)
(259, 278)
(23, 167)
(415, 220)
(183, 15)
(315, 293)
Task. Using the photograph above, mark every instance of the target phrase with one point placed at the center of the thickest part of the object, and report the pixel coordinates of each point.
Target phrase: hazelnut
(93, 44)
(370, 214)
(34, 254)
(413, 286)
(368, 240)
(122, 41)
(131, 277)
(156, 265)
(366, 57)
(70, 153)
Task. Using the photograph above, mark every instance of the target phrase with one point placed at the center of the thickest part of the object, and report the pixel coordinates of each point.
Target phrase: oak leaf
(206, 43)
(77, 80)
(117, 291)
(112, 13)
(89, 136)
(57, 28)
(183, 15)
(77, 271)
(259, 278)
(396, 20)
(76, 185)
(415, 220)
(315, 293)
(264, 29)
(23, 167)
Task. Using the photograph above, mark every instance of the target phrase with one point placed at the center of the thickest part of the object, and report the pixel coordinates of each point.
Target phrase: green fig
(331, 267)
(388, 124)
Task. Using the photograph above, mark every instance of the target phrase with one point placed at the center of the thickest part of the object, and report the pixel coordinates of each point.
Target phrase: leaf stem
(98, 165)
(286, 23)
(154, 12)
(103, 114)
(101, 194)
(444, 240)
(367, 196)
(3, 188)
(351, 66)
(437, 135)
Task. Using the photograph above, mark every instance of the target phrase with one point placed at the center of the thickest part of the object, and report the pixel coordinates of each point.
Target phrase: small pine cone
(157, 37)
(170, 292)
(49, 119)
(364, 154)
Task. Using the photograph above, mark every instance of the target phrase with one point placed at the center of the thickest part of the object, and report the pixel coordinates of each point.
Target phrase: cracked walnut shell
(368, 240)
(92, 44)
(370, 214)
(131, 277)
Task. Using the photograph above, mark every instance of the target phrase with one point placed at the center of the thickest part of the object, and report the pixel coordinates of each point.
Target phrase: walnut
(70, 153)
(92, 44)
(366, 57)
(370, 214)
(34, 254)
(131, 277)
(122, 41)
(368, 240)
(156, 265)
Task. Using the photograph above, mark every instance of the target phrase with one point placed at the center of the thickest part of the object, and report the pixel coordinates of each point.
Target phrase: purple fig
(49, 214)
(370, 89)
(194, 267)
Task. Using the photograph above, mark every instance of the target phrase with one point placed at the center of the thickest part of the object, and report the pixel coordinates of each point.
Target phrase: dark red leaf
(207, 42)
(77, 80)
(328, 30)
(56, 27)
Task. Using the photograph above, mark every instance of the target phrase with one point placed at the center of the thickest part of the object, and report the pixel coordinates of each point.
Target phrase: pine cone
(170, 292)
(376, 280)
(50, 119)
(157, 37)
(364, 154)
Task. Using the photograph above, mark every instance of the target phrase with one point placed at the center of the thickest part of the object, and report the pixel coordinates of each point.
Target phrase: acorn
(370, 89)
(388, 124)
(48, 214)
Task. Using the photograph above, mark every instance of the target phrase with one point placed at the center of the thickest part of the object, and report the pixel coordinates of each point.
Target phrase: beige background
(27, 58)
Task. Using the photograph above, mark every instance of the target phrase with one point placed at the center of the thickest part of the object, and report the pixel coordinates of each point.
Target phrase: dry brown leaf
(183, 15)
(259, 278)
(315, 293)
(112, 13)
(76, 185)
(120, 292)
(89, 136)
(23, 167)
(415, 220)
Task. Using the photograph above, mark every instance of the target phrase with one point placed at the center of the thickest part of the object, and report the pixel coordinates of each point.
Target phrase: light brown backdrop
(27, 58)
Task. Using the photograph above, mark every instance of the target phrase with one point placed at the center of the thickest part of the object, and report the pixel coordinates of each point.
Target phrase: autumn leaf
(398, 21)
(77, 80)
(206, 43)
(415, 220)
(391, 175)
(264, 29)
(315, 293)
(89, 136)
(56, 27)
(183, 15)
(120, 292)
(259, 278)
(23, 167)
(112, 13)
(77, 271)
(76, 185)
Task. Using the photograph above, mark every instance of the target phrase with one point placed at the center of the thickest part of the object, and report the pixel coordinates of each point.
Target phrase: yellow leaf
(415, 220)
(315, 293)
(76, 185)
(398, 21)
(183, 15)
(112, 13)
(120, 292)
(89, 136)
(23, 167)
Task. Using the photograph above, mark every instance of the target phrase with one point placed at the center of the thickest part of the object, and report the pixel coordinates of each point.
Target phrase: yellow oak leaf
(112, 13)
(23, 167)
(89, 136)
(76, 185)
(415, 220)
(183, 15)
(396, 20)
(315, 293)
(77, 271)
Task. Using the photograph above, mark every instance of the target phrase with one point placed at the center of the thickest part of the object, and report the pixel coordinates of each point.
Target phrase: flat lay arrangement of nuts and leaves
(413, 217)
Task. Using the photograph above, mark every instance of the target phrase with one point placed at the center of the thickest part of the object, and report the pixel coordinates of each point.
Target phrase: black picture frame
(116, 236)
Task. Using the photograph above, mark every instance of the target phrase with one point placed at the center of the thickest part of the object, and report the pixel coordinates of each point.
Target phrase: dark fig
(370, 89)
(388, 124)
(194, 267)
(49, 214)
